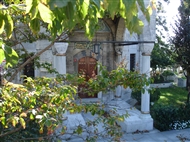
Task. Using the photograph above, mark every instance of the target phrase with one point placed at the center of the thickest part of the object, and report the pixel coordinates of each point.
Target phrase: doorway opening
(86, 67)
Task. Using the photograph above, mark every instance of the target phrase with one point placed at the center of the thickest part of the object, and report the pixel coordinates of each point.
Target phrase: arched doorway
(87, 66)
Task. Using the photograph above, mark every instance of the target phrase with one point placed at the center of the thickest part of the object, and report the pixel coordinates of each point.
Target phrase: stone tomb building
(78, 55)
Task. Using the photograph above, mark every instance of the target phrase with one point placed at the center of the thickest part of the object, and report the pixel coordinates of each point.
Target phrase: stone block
(136, 121)
(74, 120)
(89, 117)
(119, 104)
(132, 102)
(181, 82)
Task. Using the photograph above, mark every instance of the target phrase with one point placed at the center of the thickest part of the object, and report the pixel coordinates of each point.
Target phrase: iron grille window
(132, 62)
(29, 69)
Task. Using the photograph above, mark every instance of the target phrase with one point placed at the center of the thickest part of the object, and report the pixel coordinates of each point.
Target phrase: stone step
(136, 121)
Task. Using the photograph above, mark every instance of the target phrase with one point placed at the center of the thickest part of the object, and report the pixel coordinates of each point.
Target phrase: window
(132, 62)
(29, 69)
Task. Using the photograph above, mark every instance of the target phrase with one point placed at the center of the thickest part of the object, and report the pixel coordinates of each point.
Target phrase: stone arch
(107, 55)
(82, 54)
(120, 30)
(112, 26)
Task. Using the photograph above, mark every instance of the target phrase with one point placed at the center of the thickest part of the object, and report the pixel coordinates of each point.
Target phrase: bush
(168, 73)
(171, 117)
(154, 95)
(158, 78)
(31, 132)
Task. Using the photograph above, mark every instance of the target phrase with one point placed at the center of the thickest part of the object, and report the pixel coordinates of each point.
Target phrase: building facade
(113, 44)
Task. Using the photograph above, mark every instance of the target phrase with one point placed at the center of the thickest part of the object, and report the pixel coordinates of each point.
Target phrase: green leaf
(141, 5)
(97, 3)
(58, 3)
(3, 121)
(31, 116)
(2, 55)
(113, 7)
(34, 12)
(146, 11)
(23, 114)
(22, 122)
(122, 9)
(45, 13)
(79, 130)
(138, 27)
(8, 25)
(2, 23)
(28, 6)
(35, 25)
(48, 123)
(10, 55)
(84, 8)
(69, 12)
(15, 121)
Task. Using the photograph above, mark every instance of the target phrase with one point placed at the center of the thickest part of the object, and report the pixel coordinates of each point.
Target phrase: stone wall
(106, 57)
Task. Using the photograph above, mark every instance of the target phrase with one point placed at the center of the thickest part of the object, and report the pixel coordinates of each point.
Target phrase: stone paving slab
(167, 136)
(155, 136)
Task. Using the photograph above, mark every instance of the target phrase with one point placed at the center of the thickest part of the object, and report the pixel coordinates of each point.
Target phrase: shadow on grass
(172, 96)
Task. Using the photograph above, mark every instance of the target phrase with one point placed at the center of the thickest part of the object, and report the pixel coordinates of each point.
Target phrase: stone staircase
(136, 121)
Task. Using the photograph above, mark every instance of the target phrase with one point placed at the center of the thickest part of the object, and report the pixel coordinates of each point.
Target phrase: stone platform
(136, 121)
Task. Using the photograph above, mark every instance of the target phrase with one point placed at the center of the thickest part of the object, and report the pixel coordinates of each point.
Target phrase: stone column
(118, 92)
(60, 63)
(145, 97)
(146, 50)
(60, 58)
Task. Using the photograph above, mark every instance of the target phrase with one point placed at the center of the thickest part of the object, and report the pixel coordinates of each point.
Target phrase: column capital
(146, 48)
(60, 48)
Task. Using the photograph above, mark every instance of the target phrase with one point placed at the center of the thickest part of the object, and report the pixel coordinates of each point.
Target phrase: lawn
(172, 96)
(170, 111)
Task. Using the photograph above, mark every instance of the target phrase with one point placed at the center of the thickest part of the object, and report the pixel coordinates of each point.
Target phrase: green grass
(172, 96)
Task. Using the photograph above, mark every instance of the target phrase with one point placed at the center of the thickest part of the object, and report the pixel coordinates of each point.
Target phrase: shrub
(183, 77)
(154, 95)
(168, 73)
(158, 78)
(171, 117)
(136, 95)
(31, 132)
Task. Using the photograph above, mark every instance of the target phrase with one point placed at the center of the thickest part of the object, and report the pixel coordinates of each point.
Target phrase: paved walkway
(156, 136)
(153, 136)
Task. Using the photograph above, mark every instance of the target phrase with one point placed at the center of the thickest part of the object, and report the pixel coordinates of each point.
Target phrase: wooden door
(86, 66)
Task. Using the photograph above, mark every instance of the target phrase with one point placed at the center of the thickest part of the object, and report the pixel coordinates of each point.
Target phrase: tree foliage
(64, 16)
(181, 40)
(43, 101)
(161, 54)
(182, 36)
